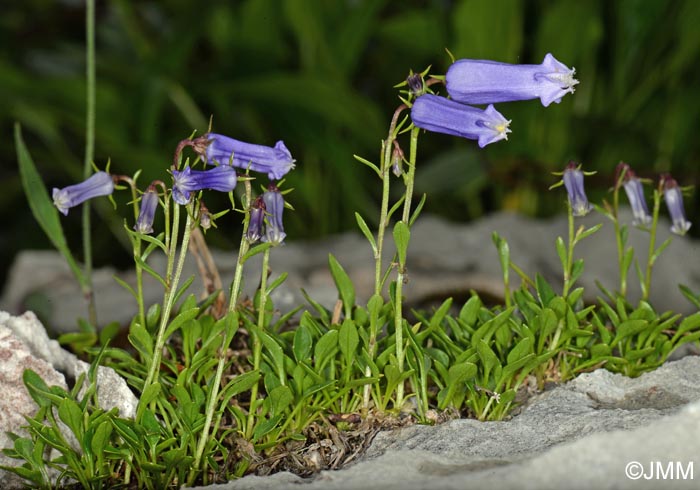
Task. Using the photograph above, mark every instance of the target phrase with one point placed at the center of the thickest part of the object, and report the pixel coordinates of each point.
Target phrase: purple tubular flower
(489, 82)
(674, 203)
(257, 220)
(573, 181)
(222, 178)
(635, 195)
(274, 161)
(99, 184)
(446, 116)
(274, 206)
(147, 212)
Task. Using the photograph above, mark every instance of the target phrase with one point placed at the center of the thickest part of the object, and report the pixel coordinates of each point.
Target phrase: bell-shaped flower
(489, 82)
(257, 220)
(635, 195)
(222, 178)
(674, 203)
(147, 211)
(442, 115)
(573, 181)
(274, 161)
(274, 207)
(99, 184)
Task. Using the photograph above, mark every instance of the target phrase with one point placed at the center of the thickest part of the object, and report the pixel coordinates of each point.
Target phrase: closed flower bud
(274, 207)
(573, 181)
(257, 220)
(635, 195)
(397, 160)
(147, 211)
(674, 203)
(416, 84)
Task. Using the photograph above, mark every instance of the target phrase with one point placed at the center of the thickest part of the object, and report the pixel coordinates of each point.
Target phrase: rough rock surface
(581, 435)
(24, 344)
(445, 259)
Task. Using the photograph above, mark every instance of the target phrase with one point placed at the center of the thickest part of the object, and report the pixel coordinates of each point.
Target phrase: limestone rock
(580, 435)
(24, 344)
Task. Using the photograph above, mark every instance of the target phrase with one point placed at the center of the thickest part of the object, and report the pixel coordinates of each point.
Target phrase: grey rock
(445, 259)
(24, 344)
(580, 435)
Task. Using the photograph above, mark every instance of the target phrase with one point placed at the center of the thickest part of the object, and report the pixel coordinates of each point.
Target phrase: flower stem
(401, 275)
(170, 292)
(89, 155)
(619, 242)
(652, 245)
(385, 166)
(570, 252)
(242, 249)
(257, 344)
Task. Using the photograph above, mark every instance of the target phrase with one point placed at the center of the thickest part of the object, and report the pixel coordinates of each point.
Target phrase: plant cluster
(225, 381)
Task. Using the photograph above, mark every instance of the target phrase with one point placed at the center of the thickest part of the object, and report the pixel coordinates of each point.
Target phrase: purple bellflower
(674, 203)
(446, 116)
(99, 184)
(147, 212)
(489, 82)
(274, 161)
(635, 195)
(573, 181)
(222, 178)
(257, 220)
(274, 206)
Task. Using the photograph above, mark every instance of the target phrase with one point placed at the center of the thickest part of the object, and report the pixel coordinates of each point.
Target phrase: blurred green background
(319, 75)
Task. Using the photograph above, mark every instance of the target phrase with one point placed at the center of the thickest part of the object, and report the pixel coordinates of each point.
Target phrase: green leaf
(588, 232)
(366, 231)
(239, 384)
(71, 415)
(348, 340)
(487, 356)
(149, 394)
(275, 351)
(545, 293)
(461, 372)
(419, 208)
(141, 340)
(402, 236)
(101, 437)
(627, 260)
(561, 251)
(38, 390)
(657, 253)
(600, 350)
(628, 328)
(45, 213)
(303, 341)
(182, 317)
(265, 427)
(255, 251)
(325, 347)
(469, 312)
(279, 399)
(576, 270)
(690, 296)
(521, 349)
(346, 290)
